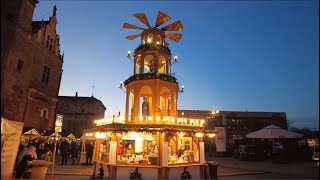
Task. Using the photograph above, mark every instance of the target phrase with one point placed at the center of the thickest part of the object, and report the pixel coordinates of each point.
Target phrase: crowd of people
(43, 148)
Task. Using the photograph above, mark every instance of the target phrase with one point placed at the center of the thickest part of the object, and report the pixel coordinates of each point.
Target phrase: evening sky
(233, 56)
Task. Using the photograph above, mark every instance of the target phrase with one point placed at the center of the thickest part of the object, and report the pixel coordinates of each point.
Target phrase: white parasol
(273, 132)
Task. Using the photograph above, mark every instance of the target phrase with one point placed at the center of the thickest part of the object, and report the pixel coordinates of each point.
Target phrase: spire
(54, 10)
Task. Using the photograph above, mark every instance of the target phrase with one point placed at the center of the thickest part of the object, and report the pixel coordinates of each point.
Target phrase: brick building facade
(31, 65)
(79, 113)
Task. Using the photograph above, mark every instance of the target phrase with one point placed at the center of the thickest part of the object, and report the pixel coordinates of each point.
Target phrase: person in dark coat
(25, 157)
(89, 150)
(74, 151)
(64, 151)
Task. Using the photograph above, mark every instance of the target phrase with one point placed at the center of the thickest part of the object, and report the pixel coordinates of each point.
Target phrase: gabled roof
(78, 98)
(37, 25)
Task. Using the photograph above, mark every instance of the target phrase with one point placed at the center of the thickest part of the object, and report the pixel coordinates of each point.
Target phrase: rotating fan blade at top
(173, 36)
(133, 36)
(143, 18)
(161, 18)
(130, 26)
(176, 26)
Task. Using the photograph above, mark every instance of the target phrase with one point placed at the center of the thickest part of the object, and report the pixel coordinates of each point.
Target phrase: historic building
(237, 123)
(31, 65)
(79, 113)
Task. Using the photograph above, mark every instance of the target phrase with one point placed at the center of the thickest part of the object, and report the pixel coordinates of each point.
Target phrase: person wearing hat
(25, 162)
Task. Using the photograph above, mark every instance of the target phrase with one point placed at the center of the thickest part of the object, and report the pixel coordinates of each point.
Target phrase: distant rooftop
(79, 98)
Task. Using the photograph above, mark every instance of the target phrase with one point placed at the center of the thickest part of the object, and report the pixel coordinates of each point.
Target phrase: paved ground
(229, 168)
(77, 169)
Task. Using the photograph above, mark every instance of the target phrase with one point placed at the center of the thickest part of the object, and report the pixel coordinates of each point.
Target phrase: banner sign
(220, 139)
(10, 139)
(59, 121)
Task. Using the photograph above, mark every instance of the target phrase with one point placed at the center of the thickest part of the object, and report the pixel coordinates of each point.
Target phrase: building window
(44, 113)
(20, 65)
(46, 74)
(49, 44)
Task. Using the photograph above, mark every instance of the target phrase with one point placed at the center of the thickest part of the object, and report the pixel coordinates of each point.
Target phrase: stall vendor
(120, 148)
(129, 150)
(180, 151)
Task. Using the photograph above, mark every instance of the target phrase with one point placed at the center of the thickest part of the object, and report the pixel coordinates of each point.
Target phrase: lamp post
(54, 151)
(58, 128)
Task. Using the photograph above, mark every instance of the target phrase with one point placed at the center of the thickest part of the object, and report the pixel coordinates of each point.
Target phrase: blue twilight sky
(233, 55)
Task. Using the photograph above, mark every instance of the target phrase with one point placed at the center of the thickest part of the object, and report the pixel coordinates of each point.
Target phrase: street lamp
(175, 59)
(214, 113)
(181, 90)
(129, 55)
(121, 86)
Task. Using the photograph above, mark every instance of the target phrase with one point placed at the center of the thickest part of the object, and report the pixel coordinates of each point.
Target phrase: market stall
(85, 138)
(149, 148)
(31, 134)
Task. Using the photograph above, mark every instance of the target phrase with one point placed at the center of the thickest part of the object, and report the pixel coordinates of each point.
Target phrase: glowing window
(150, 38)
(159, 40)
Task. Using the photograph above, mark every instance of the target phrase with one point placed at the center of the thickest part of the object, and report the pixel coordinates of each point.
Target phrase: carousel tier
(118, 127)
(151, 120)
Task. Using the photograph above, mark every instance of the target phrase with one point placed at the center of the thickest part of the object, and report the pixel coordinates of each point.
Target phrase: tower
(152, 90)
(150, 137)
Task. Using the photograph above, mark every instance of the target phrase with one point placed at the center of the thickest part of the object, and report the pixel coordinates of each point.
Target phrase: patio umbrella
(32, 133)
(55, 134)
(71, 136)
(273, 132)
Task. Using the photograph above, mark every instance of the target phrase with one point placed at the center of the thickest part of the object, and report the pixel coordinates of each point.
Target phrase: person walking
(89, 149)
(64, 151)
(74, 151)
(24, 160)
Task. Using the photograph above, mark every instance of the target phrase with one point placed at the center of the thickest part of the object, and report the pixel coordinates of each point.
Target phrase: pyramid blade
(166, 43)
(143, 18)
(133, 36)
(161, 18)
(173, 36)
(176, 26)
(130, 26)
